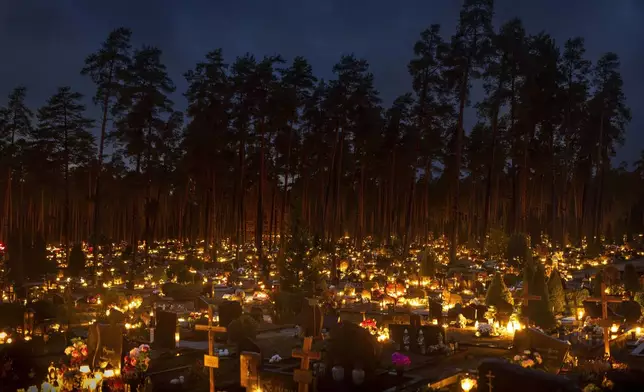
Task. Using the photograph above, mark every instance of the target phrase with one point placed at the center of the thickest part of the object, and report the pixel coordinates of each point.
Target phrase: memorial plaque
(210, 361)
(552, 350)
(105, 345)
(165, 329)
(500, 376)
(249, 363)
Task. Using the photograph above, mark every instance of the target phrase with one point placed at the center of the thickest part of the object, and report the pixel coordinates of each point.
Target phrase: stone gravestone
(403, 337)
(277, 382)
(428, 335)
(105, 345)
(310, 319)
(553, 351)
(165, 329)
(501, 376)
(229, 311)
(249, 367)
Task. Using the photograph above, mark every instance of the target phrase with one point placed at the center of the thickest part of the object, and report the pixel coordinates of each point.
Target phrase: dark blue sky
(44, 42)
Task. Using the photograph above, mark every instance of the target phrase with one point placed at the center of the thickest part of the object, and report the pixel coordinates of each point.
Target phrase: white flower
(275, 358)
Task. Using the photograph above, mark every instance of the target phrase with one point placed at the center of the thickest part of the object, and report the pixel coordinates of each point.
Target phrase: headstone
(105, 345)
(501, 376)
(553, 351)
(249, 345)
(249, 366)
(414, 321)
(403, 336)
(229, 311)
(277, 382)
(165, 329)
(310, 319)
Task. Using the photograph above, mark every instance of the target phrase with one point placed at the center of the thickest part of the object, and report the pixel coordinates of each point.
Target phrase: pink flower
(145, 348)
(133, 361)
(75, 354)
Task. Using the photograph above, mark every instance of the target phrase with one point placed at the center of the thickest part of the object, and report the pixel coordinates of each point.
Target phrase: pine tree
(64, 137)
(556, 292)
(142, 103)
(498, 294)
(107, 68)
(631, 279)
(540, 310)
(76, 264)
(467, 57)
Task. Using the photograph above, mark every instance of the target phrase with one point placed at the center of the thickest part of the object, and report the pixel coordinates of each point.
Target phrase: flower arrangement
(484, 330)
(137, 360)
(528, 359)
(400, 360)
(77, 352)
(369, 325)
(275, 359)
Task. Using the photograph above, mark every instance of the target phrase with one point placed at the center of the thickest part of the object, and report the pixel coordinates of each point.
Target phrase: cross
(526, 298)
(303, 376)
(489, 376)
(211, 361)
(604, 299)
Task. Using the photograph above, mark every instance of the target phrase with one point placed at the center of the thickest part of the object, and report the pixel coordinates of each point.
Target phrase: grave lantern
(28, 328)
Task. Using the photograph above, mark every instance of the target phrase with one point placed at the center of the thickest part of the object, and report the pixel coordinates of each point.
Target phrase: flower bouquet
(484, 330)
(400, 361)
(77, 352)
(369, 325)
(136, 363)
(528, 359)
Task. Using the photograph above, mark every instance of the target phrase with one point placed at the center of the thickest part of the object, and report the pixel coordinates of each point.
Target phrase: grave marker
(525, 300)
(249, 370)
(604, 300)
(552, 351)
(303, 376)
(105, 345)
(496, 375)
(166, 327)
(211, 361)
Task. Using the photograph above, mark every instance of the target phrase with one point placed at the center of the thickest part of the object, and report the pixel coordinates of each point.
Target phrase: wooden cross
(489, 376)
(211, 361)
(604, 299)
(526, 298)
(303, 376)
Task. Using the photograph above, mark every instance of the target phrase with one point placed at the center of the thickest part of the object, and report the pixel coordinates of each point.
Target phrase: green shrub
(498, 294)
(556, 292)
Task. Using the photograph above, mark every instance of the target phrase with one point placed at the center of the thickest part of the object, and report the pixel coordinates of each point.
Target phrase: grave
(407, 338)
(553, 351)
(166, 327)
(310, 319)
(501, 376)
(105, 345)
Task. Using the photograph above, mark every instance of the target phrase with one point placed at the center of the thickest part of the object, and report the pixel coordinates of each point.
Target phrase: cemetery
(423, 325)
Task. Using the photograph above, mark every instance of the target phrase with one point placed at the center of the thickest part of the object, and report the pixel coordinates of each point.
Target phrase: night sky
(44, 42)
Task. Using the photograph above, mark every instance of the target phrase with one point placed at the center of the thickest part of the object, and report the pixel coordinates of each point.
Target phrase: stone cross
(604, 299)
(303, 376)
(526, 298)
(489, 376)
(211, 361)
